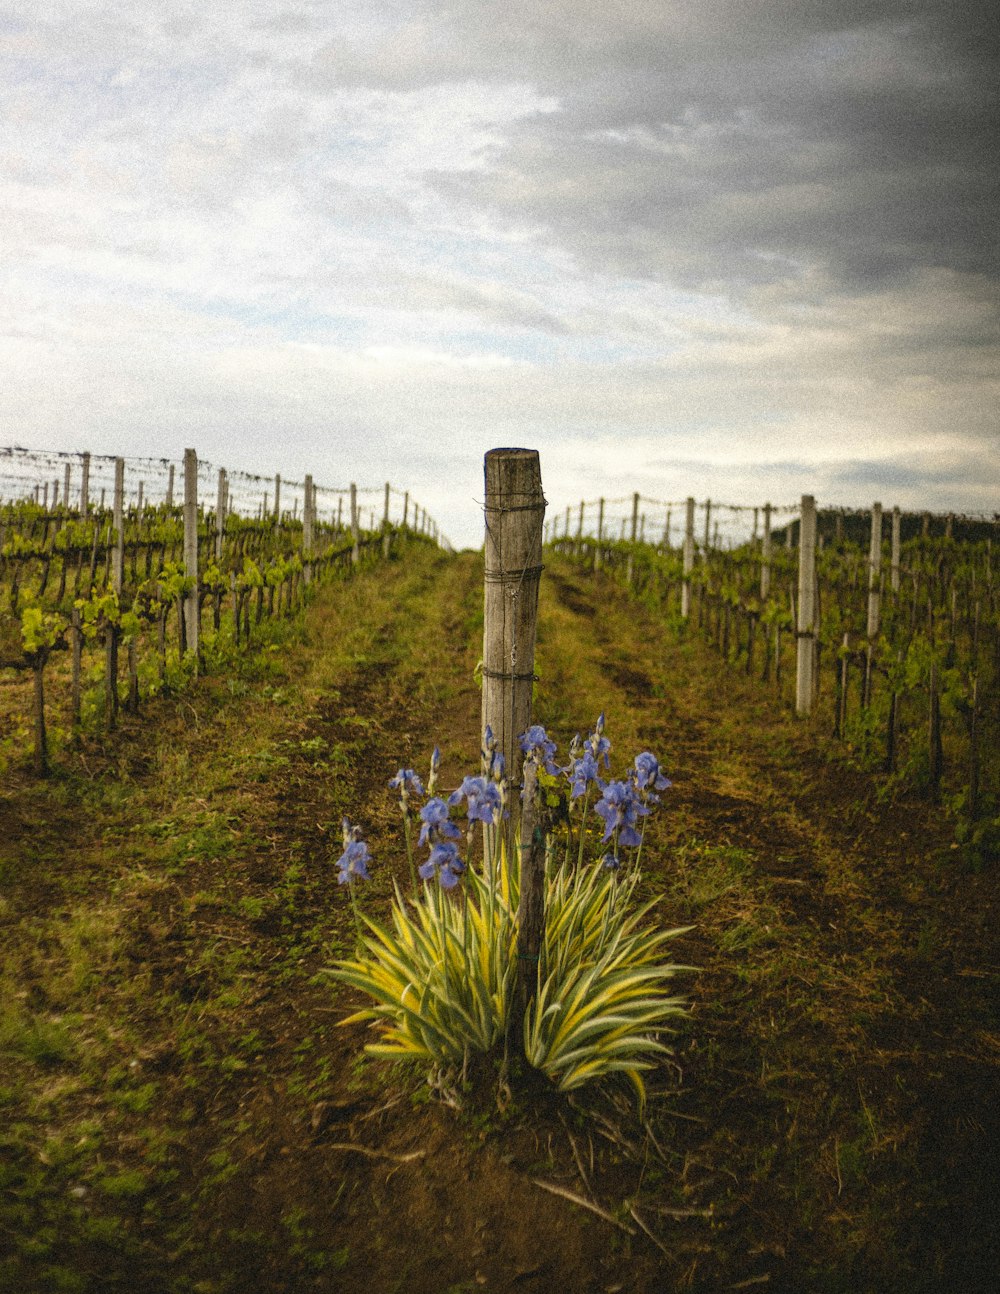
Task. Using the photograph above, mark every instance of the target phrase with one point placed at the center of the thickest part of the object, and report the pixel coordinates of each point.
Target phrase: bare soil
(180, 1109)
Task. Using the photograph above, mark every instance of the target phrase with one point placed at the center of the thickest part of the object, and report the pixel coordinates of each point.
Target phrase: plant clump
(442, 973)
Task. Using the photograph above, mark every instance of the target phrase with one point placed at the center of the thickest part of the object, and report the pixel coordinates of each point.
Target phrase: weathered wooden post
(66, 479)
(191, 602)
(118, 569)
(308, 520)
(220, 513)
(688, 559)
(874, 573)
(355, 532)
(765, 556)
(635, 517)
(386, 536)
(894, 574)
(514, 510)
(85, 485)
(170, 487)
(277, 497)
(806, 628)
(708, 525)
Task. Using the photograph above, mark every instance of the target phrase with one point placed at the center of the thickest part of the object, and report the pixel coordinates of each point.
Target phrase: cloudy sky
(730, 248)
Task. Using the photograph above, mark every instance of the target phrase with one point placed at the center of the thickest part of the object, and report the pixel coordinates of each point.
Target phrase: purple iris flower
(581, 772)
(598, 743)
(536, 744)
(434, 816)
(648, 777)
(611, 862)
(435, 765)
(482, 797)
(352, 863)
(619, 807)
(407, 783)
(445, 861)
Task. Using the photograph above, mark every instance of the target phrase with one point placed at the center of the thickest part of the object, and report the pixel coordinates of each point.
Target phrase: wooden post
(708, 525)
(45, 496)
(600, 535)
(355, 534)
(666, 531)
(191, 605)
(515, 510)
(895, 550)
(220, 513)
(386, 533)
(85, 486)
(765, 556)
(688, 559)
(806, 629)
(307, 530)
(874, 572)
(66, 479)
(579, 523)
(118, 570)
(753, 537)
(117, 575)
(635, 516)
(138, 501)
(277, 497)
(170, 487)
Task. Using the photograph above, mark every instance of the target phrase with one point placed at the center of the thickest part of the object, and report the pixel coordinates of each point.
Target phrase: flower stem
(407, 832)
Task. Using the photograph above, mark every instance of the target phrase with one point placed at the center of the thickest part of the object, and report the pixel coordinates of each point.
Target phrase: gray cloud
(753, 244)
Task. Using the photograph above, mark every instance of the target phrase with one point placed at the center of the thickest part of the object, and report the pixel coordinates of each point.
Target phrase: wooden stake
(191, 602)
(355, 534)
(515, 510)
(220, 513)
(765, 556)
(688, 558)
(85, 486)
(118, 571)
(806, 628)
(874, 571)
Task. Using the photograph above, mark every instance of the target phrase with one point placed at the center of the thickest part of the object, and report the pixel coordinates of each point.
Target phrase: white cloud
(677, 248)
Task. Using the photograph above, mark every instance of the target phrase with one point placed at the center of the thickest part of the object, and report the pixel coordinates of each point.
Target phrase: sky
(728, 249)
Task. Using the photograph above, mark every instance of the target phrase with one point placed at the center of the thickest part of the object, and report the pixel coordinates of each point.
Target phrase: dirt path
(184, 1113)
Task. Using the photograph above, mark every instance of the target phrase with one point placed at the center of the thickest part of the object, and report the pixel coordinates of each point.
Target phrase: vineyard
(193, 699)
(893, 647)
(139, 582)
